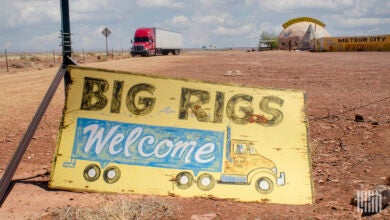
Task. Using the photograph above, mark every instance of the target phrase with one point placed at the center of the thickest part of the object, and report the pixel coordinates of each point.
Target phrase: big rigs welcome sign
(133, 133)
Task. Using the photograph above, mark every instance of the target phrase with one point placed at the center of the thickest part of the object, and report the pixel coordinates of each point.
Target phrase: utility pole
(65, 32)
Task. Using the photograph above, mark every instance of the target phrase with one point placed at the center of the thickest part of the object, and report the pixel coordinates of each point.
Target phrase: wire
(349, 110)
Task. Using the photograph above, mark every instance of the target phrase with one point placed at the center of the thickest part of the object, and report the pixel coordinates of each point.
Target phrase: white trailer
(168, 41)
(156, 41)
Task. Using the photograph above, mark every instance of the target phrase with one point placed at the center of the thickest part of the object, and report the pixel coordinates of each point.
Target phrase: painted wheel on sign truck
(264, 185)
(91, 172)
(205, 182)
(111, 174)
(184, 180)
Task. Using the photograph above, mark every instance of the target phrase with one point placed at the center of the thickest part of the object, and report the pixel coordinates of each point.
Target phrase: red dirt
(346, 155)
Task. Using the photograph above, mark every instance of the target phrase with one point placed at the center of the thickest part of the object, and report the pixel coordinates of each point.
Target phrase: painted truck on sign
(156, 41)
(202, 157)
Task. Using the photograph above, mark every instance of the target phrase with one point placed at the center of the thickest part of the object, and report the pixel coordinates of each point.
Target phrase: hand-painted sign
(357, 43)
(133, 133)
(144, 145)
(303, 19)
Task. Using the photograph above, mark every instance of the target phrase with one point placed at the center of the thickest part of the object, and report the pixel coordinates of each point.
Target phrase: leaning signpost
(61, 74)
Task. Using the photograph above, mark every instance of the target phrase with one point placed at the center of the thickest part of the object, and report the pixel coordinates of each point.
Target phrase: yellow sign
(358, 43)
(133, 133)
(303, 19)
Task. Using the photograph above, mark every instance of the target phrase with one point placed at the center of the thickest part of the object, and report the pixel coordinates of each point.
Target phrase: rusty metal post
(62, 73)
(65, 31)
(6, 59)
(54, 58)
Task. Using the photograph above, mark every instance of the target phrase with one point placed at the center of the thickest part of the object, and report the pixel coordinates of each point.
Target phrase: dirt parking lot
(348, 107)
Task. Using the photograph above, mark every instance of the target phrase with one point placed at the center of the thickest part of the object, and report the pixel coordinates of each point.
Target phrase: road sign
(135, 133)
(106, 32)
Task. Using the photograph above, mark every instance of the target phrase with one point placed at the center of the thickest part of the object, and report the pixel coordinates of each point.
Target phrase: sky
(34, 25)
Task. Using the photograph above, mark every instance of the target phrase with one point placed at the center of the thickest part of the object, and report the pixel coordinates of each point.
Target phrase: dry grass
(121, 208)
(316, 149)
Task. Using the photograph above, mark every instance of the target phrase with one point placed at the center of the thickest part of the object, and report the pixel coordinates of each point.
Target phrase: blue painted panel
(234, 179)
(146, 145)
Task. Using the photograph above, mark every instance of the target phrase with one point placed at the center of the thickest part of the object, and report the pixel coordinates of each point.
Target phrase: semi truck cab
(243, 165)
(144, 42)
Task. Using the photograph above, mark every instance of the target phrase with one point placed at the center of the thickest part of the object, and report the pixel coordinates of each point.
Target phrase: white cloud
(22, 13)
(210, 3)
(44, 39)
(242, 30)
(359, 9)
(222, 18)
(39, 42)
(160, 3)
(368, 8)
(289, 5)
(353, 22)
(90, 6)
(269, 28)
(222, 4)
(180, 20)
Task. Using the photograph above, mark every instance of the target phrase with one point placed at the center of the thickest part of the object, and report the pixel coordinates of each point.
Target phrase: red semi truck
(156, 41)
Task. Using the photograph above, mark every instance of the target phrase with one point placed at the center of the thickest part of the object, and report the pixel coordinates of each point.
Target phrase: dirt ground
(347, 154)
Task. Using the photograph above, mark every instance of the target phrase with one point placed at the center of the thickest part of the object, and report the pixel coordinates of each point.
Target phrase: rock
(359, 118)
(343, 146)
(228, 73)
(18, 65)
(209, 216)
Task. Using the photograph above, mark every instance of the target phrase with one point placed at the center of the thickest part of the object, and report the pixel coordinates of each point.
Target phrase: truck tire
(111, 174)
(91, 172)
(264, 185)
(176, 52)
(184, 180)
(205, 182)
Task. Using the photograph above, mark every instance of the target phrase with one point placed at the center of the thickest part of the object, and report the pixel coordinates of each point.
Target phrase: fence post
(6, 59)
(54, 58)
